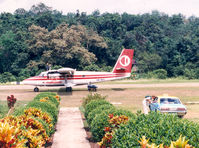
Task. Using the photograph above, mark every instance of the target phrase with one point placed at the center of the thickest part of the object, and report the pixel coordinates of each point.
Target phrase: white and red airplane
(70, 77)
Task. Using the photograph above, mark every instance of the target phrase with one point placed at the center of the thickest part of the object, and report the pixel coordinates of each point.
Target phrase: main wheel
(36, 89)
(68, 89)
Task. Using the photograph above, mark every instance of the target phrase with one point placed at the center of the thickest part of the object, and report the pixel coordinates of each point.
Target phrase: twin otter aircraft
(70, 77)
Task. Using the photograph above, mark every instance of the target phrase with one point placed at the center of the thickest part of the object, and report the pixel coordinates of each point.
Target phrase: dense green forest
(167, 46)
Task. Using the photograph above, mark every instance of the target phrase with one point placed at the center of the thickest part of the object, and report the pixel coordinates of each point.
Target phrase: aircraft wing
(69, 84)
(66, 70)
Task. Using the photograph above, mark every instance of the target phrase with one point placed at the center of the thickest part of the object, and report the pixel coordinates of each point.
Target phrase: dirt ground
(124, 95)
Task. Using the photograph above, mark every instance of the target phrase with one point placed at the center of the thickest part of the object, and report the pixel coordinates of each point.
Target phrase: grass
(4, 107)
(151, 81)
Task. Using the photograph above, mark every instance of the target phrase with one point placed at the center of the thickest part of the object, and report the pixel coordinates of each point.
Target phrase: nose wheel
(36, 89)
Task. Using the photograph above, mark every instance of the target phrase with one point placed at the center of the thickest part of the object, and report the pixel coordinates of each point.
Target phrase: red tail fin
(124, 62)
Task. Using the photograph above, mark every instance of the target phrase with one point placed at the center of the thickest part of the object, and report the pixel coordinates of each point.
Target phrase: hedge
(91, 97)
(33, 124)
(101, 120)
(158, 128)
(92, 105)
(98, 110)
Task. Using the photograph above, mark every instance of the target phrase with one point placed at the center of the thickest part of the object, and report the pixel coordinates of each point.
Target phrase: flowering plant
(20, 131)
(11, 100)
(114, 121)
(180, 143)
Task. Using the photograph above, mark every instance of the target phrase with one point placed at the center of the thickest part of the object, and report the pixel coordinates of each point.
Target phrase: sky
(186, 7)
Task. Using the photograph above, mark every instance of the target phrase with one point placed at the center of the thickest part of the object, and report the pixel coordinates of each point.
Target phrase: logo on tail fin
(125, 60)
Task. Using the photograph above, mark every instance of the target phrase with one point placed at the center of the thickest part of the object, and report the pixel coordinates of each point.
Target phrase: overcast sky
(185, 7)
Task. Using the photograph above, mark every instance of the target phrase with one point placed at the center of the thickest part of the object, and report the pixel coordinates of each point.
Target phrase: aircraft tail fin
(124, 62)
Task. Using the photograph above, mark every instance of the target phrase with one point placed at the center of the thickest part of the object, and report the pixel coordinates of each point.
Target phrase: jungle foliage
(30, 39)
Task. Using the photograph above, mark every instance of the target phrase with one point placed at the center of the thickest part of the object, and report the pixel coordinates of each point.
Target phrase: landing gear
(68, 89)
(36, 89)
(92, 87)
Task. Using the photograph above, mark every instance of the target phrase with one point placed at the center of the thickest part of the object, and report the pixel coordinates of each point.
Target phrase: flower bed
(32, 125)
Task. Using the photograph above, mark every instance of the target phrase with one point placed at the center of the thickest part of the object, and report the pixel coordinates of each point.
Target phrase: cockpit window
(41, 74)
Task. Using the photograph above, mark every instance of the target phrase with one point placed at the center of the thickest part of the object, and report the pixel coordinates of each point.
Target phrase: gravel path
(70, 132)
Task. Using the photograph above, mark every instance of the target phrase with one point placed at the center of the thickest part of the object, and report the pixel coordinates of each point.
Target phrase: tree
(66, 46)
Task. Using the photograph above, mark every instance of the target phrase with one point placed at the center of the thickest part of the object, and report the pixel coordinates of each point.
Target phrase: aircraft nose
(25, 82)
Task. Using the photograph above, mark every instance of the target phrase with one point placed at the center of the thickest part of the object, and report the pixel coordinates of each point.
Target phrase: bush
(47, 98)
(190, 73)
(98, 110)
(92, 105)
(159, 128)
(45, 107)
(91, 97)
(160, 74)
(7, 77)
(38, 114)
(101, 120)
(92, 67)
(45, 94)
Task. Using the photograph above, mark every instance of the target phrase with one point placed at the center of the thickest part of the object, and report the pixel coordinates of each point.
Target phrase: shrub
(91, 97)
(38, 114)
(115, 122)
(7, 77)
(92, 105)
(51, 99)
(98, 110)
(45, 107)
(160, 74)
(28, 130)
(190, 73)
(158, 128)
(101, 120)
(45, 94)
(92, 67)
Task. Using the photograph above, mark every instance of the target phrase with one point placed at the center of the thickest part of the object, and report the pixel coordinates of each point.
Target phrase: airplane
(69, 77)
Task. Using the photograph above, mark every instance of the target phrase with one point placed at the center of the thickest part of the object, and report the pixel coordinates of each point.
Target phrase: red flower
(111, 116)
(107, 129)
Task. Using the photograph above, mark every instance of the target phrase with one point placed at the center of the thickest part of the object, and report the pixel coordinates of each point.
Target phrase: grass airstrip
(126, 94)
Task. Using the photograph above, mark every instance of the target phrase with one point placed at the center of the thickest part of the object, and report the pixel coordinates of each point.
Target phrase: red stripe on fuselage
(77, 77)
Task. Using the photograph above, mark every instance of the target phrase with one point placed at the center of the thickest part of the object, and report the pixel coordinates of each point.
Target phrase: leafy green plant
(7, 77)
(91, 97)
(45, 117)
(92, 105)
(115, 122)
(98, 110)
(50, 98)
(101, 120)
(45, 107)
(158, 128)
